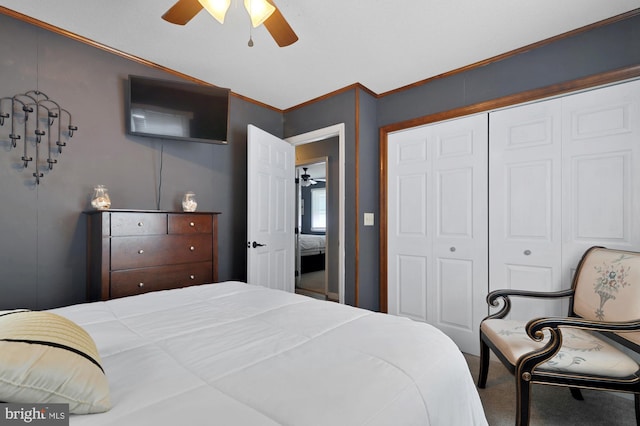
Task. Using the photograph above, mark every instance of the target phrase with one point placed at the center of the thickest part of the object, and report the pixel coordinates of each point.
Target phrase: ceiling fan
(184, 10)
(307, 180)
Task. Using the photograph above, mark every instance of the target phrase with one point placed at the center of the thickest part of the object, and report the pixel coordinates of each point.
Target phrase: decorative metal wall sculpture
(33, 116)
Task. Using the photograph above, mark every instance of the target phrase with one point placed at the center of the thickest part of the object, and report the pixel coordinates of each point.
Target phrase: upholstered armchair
(573, 351)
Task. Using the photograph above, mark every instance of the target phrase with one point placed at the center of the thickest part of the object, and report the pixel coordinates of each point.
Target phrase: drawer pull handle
(191, 224)
(140, 251)
(192, 248)
(527, 252)
(192, 277)
(140, 224)
(452, 249)
(140, 285)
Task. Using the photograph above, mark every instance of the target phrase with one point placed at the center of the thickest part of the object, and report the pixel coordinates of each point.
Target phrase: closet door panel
(437, 226)
(409, 232)
(528, 202)
(411, 278)
(601, 179)
(455, 285)
(460, 238)
(525, 204)
(601, 198)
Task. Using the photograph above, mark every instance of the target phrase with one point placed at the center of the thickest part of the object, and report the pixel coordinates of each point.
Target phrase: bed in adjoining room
(312, 249)
(237, 354)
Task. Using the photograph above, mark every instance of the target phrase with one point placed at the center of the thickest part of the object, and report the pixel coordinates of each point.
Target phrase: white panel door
(525, 204)
(563, 177)
(601, 170)
(409, 222)
(437, 226)
(270, 210)
(459, 240)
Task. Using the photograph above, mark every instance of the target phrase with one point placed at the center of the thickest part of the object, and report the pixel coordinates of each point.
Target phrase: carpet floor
(550, 405)
(313, 281)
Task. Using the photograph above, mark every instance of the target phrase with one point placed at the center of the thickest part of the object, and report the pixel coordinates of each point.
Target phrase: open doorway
(329, 143)
(312, 208)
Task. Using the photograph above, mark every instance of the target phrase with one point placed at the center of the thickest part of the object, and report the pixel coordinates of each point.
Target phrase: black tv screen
(176, 110)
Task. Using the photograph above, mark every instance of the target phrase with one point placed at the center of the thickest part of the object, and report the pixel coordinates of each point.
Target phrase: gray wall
(42, 230)
(369, 202)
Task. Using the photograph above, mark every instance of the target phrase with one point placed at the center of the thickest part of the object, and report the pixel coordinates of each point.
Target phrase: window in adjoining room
(318, 209)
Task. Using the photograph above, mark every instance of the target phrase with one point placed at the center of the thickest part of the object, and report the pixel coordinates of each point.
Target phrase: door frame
(337, 130)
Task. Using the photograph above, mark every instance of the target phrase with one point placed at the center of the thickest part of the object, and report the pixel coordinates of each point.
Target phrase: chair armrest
(536, 326)
(506, 294)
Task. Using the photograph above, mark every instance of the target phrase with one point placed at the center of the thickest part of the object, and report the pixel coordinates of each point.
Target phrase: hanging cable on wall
(33, 116)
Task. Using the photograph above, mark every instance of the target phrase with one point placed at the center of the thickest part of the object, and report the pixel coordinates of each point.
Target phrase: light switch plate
(368, 219)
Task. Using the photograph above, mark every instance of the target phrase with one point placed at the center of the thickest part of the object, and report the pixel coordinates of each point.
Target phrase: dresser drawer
(138, 224)
(154, 250)
(190, 224)
(137, 281)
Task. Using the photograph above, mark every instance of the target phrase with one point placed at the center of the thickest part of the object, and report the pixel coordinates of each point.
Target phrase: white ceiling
(382, 44)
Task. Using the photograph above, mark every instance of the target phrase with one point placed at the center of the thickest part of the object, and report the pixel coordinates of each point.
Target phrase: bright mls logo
(34, 414)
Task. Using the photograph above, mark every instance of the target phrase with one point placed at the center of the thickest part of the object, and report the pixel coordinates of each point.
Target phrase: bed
(312, 249)
(311, 244)
(237, 354)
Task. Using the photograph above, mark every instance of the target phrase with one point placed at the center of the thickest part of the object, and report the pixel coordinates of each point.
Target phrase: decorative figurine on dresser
(136, 251)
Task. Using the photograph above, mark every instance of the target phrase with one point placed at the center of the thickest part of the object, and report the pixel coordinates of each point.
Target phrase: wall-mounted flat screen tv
(176, 110)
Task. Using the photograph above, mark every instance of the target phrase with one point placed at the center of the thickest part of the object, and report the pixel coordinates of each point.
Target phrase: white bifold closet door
(525, 199)
(564, 175)
(437, 226)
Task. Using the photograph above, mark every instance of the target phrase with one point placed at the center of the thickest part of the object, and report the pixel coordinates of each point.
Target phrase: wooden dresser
(136, 251)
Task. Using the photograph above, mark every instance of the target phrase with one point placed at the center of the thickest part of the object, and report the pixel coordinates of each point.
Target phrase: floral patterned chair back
(607, 287)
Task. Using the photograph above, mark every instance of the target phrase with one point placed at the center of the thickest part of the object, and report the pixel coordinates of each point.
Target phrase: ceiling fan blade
(279, 28)
(182, 12)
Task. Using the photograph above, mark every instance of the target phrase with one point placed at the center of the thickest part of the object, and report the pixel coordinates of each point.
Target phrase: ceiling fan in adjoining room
(260, 11)
(306, 180)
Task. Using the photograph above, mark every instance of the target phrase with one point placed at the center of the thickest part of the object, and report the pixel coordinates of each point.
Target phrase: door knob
(254, 245)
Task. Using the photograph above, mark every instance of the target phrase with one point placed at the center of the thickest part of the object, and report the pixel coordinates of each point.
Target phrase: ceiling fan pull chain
(250, 43)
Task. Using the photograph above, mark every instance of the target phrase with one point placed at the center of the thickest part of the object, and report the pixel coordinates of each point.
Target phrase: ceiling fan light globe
(259, 11)
(217, 8)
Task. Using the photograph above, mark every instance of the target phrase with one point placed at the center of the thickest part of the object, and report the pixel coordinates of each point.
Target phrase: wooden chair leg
(576, 394)
(484, 364)
(522, 402)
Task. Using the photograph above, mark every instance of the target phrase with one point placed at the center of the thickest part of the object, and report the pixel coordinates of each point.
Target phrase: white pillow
(46, 358)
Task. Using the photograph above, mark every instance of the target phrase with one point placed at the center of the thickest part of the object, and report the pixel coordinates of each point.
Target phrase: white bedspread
(311, 244)
(237, 354)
